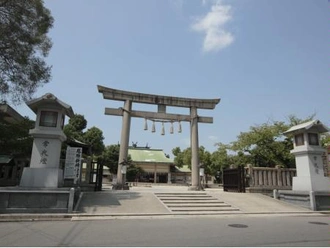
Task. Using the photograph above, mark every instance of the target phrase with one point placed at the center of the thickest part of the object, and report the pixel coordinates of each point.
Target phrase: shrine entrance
(161, 116)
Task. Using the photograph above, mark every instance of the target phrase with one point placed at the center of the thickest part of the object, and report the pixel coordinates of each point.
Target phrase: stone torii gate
(161, 101)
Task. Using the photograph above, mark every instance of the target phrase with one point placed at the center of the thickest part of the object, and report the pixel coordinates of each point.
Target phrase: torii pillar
(195, 180)
(161, 101)
(124, 141)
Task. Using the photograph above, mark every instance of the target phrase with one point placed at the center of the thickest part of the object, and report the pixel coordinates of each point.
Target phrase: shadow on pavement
(105, 201)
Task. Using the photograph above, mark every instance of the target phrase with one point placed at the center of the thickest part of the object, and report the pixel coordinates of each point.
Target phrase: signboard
(73, 163)
(123, 169)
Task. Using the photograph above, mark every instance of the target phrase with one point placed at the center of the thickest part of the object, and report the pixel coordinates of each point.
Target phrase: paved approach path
(142, 200)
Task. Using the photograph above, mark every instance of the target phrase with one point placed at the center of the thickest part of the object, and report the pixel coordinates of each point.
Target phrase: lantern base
(42, 178)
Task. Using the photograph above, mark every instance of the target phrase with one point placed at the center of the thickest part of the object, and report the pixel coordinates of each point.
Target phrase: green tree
(205, 159)
(240, 159)
(23, 46)
(265, 145)
(94, 137)
(110, 157)
(178, 157)
(75, 127)
(220, 158)
(133, 172)
(78, 122)
(325, 140)
(15, 138)
(182, 158)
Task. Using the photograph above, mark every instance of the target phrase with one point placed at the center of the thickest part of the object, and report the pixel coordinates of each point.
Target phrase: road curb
(73, 216)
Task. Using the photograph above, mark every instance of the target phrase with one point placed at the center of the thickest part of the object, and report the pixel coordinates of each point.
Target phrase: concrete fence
(269, 178)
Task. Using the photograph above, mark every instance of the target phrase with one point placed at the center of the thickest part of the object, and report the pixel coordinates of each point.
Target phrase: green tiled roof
(148, 155)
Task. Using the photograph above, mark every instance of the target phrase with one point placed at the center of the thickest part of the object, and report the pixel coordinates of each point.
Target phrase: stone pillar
(124, 140)
(251, 178)
(274, 178)
(195, 182)
(169, 178)
(279, 175)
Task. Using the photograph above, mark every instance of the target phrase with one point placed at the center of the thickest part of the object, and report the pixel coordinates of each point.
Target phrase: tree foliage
(220, 158)
(184, 157)
(133, 173)
(110, 158)
(93, 136)
(325, 140)
(78, 123)
(265, 145)
(75, 128)
(181, 158)
(15, 138)
(23, 46)
(262, 146)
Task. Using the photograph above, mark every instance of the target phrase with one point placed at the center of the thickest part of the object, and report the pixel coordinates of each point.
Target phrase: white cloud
(212, 24)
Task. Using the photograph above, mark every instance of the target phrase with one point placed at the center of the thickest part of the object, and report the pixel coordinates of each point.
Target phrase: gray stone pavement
(112, 202)
(142, 202)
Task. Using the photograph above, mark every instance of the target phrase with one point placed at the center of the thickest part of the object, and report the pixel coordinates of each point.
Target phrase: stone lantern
(308, 154)
(311, 187)
(44, 170)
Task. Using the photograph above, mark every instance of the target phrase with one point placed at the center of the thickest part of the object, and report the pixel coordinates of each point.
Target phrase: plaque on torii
(161, 101)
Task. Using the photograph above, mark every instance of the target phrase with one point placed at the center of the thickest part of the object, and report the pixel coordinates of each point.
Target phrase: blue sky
(264, 59)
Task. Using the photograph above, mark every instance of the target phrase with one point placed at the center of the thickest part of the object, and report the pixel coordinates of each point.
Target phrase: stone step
(193, 202)
(206, 212)
(178, 193)
(184, 199)
(213, 201)
(183, 194)
(194, 209)
(207, 205)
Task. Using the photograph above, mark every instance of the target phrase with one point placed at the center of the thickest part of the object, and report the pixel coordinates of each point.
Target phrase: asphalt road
(258, 230)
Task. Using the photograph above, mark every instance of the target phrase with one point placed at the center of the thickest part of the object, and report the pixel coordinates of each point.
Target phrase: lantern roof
(49, 98)
(314, 125)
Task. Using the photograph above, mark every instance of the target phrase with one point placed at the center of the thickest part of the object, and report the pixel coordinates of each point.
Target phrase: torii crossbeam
(161, 101)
